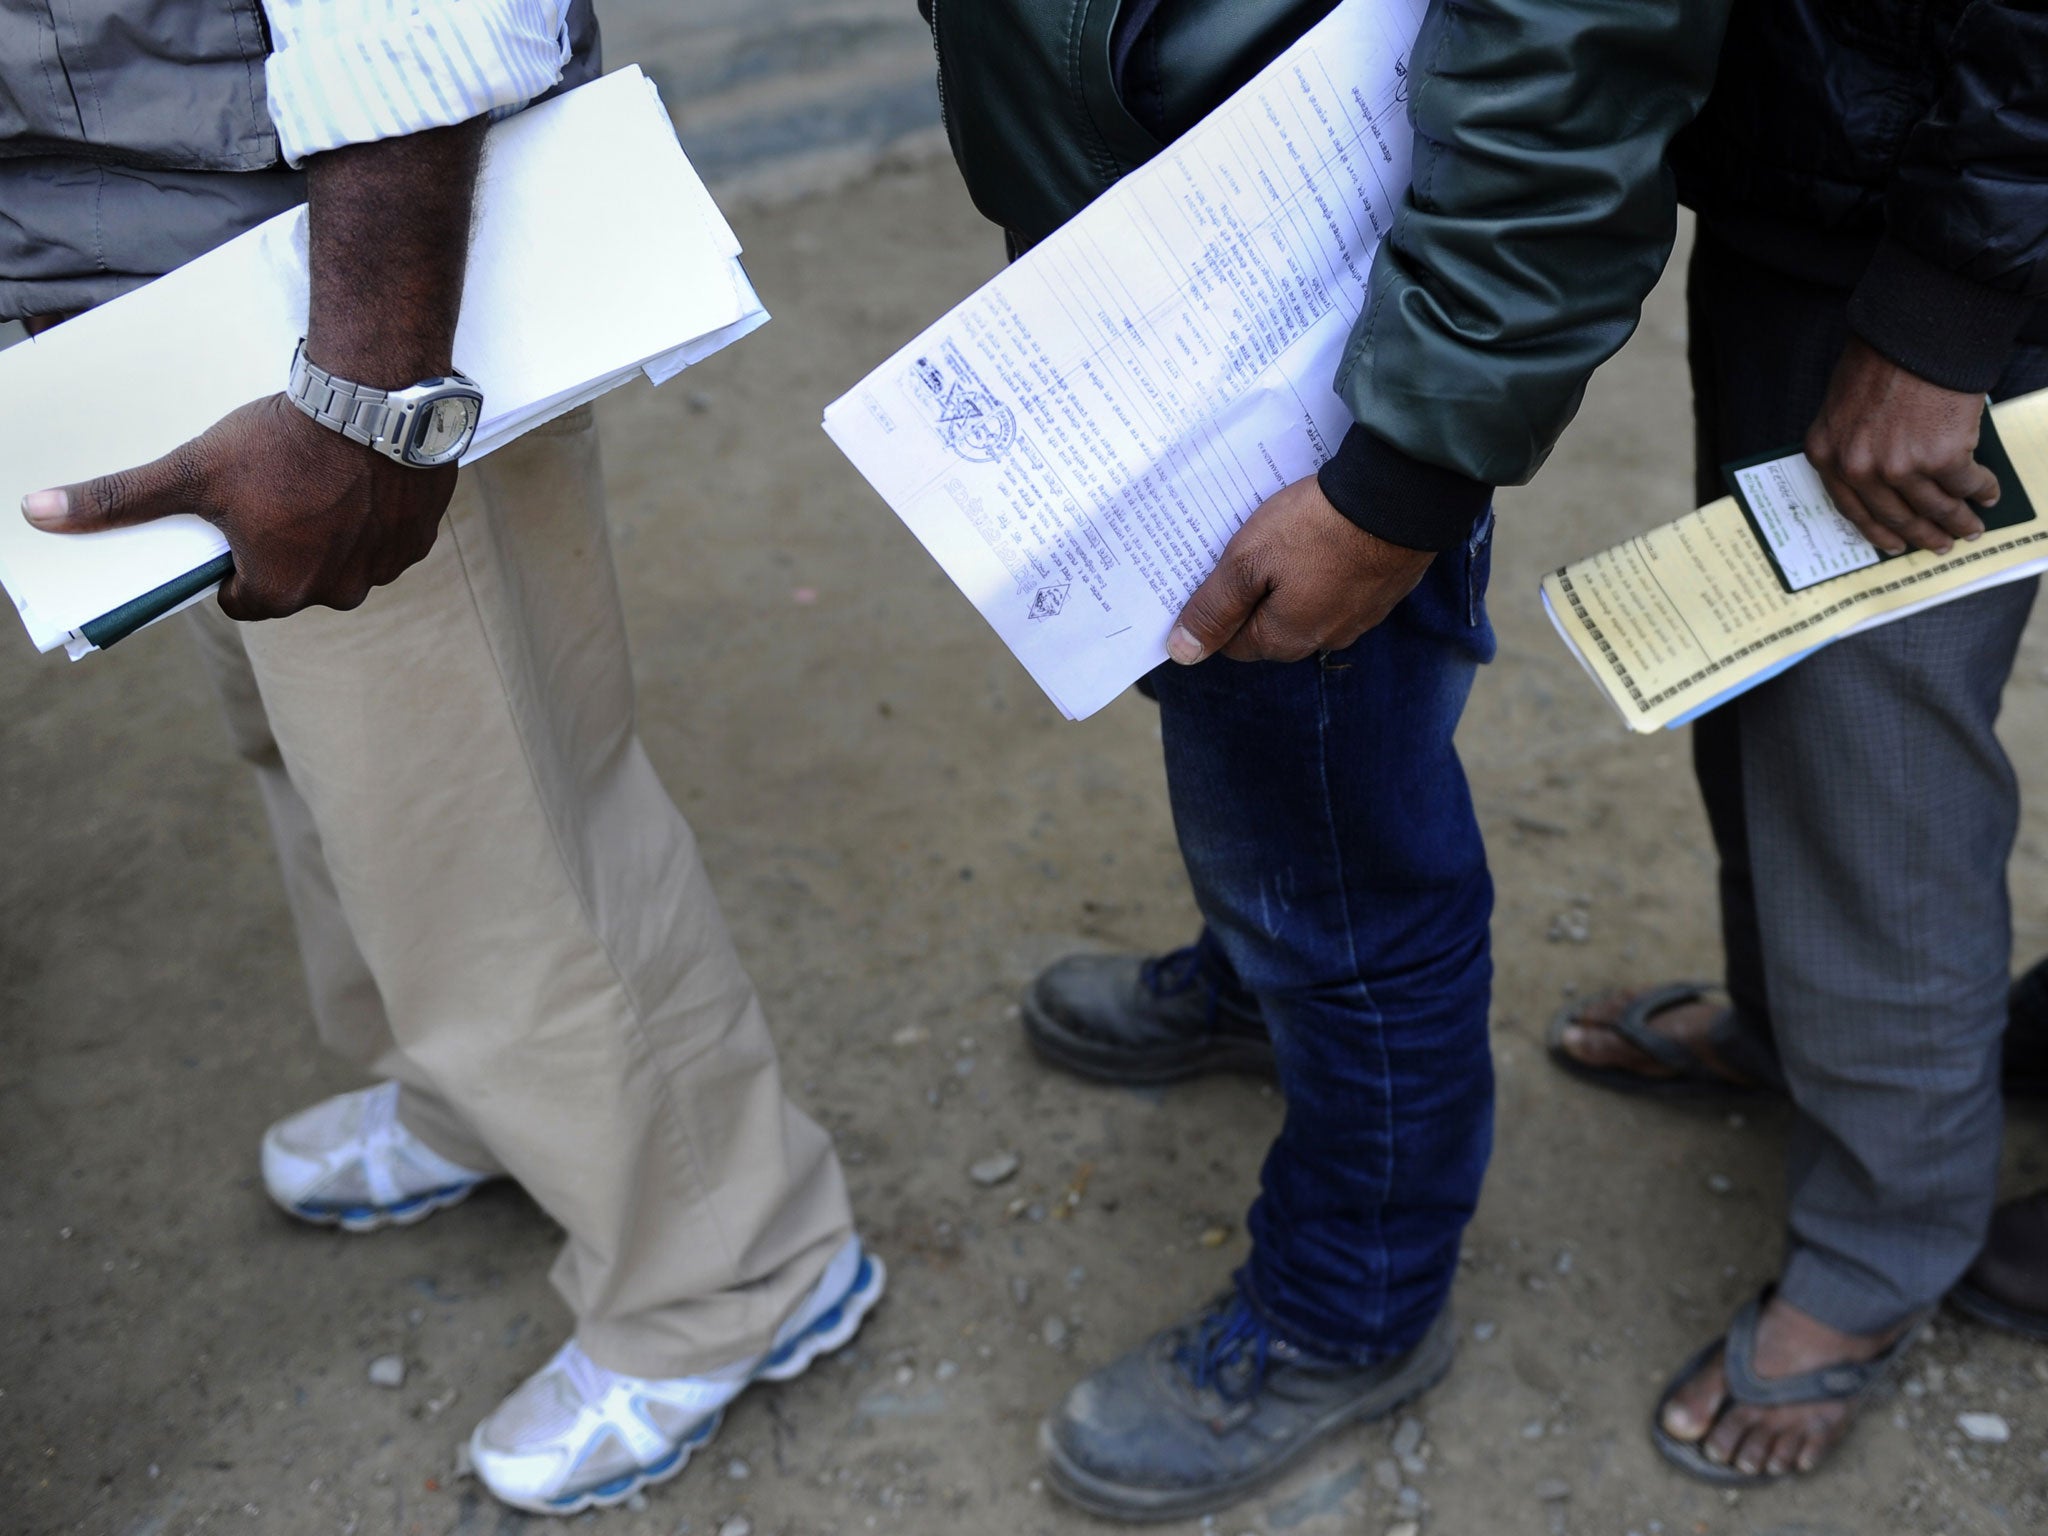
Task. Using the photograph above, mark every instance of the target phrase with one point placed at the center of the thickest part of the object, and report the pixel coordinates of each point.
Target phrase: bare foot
(1591, 1040)
(1773, 1441)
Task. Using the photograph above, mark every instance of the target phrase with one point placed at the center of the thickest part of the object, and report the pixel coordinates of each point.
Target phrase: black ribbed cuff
(1947, 328)
(1401, 499)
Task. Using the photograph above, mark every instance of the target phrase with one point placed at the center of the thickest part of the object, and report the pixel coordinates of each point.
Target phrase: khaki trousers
(500, 907)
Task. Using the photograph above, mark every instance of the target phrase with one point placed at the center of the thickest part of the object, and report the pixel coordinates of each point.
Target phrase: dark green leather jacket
(1540, 215)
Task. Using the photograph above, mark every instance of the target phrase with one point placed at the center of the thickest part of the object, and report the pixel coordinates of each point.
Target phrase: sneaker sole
(1428, 1364)
(831, 1330)
(373, 1218)
(1105, 1064)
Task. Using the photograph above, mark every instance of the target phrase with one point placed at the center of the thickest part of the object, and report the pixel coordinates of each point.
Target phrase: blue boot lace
(1227, 1351)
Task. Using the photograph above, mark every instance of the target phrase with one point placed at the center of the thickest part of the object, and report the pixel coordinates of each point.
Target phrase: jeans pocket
(1478, 569)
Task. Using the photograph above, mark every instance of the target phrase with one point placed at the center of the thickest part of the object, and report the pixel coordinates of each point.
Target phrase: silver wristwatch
(423, 426)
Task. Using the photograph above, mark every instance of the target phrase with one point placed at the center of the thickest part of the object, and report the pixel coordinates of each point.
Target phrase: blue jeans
(1328, 830)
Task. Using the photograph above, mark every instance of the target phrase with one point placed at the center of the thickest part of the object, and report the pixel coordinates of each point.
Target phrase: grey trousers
(1864, 812)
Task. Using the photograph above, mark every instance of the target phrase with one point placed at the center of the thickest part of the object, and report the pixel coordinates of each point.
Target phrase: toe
(1728, 1433)
(1753, 1452)
(1690, 1413)
(1784, 1452)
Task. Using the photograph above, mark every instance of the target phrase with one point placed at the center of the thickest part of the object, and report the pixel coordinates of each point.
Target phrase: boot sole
(1428, 1364)
(359, 1219)
(831, 1330)
(1100, 1063)
(1982, 1307)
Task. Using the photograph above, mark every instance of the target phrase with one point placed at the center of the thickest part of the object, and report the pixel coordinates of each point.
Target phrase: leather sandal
(1691, 1075)
(1849, 1382)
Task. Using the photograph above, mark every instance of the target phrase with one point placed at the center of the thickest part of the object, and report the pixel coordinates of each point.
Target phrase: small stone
(1215, 1237)
(1387, 1474)
(1720, 1183)
(909, 1035)
(1552, 1489)
(387, 1371)
(1404, 1528)
(1414, 1465)
(1409, 1500)
(1533, 1430)
(994, 1170)
(637, 1503)
(738, 1470)
(1484, 1332)
(1020, 1290)
(1984, 1428)
(1076, 1278)
(1572, 927)
(1053, 1330)
(1563, 1263)
(738, 1525)
(1407, 1438)
(945, 1370)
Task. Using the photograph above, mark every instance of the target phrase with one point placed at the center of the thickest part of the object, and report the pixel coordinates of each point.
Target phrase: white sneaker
(576, 1435)
(348, 1163)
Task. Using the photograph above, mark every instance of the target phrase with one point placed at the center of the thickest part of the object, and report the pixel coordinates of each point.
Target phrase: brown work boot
(2008, 1285)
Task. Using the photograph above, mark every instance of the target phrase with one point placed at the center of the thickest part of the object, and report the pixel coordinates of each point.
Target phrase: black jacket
(1899, 147)
(1896, 147)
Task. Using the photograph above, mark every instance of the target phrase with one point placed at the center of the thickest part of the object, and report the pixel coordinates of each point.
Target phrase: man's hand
(312, 518)
(1299, 577)
(1898, 454)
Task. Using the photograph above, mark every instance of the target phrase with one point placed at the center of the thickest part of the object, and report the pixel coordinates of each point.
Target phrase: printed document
(1685, 617)
(597, 256)
(1077, 442)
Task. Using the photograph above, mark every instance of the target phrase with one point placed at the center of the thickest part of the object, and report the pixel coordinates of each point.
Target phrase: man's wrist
(1937, 324)
(388, 244)
(1400, 499)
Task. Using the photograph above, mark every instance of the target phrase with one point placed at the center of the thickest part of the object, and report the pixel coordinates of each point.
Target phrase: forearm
(1540, 215)
(388, 244)
(1965, 258)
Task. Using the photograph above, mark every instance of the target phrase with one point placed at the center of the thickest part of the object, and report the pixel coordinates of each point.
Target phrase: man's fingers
(1890, 509)
(1936, 506)
(1850, 505)
(1218, 610)
(139, 495)
(1971, 482)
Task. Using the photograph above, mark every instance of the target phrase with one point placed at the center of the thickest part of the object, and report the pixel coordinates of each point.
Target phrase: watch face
(444, 430)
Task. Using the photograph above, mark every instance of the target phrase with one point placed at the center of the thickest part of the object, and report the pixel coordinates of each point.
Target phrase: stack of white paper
(598, 254)
(1077, 442)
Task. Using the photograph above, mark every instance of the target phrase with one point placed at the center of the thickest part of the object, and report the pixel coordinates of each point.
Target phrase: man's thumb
(1213, 616)
(138, 495)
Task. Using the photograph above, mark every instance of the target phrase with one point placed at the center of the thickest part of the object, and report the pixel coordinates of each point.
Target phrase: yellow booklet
(1680, 619)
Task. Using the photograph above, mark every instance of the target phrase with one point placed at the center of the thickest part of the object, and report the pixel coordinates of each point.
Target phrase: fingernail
(1183, 647)
(45, 507)
(1974, 537)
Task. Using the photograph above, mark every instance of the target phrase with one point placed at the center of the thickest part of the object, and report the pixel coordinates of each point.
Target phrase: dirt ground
(904, 831)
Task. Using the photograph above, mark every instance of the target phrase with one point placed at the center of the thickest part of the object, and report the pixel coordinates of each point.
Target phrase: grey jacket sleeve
(1540, 215)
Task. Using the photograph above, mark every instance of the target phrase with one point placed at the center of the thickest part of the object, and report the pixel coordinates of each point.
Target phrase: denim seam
(1378, 1314)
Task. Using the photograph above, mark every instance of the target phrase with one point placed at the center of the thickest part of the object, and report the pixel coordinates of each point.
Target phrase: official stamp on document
(974, 424)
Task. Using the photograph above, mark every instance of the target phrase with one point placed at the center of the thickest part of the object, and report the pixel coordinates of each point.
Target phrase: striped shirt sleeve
(351, 71)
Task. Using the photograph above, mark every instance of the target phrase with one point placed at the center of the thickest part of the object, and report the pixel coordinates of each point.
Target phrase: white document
(1808, 535)
(1076, 443)
(597, 255)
